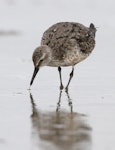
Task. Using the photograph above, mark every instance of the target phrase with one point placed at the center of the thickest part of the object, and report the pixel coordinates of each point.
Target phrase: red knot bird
(64, 44)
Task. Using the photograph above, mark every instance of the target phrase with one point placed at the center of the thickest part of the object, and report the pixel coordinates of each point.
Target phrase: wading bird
(64, 44)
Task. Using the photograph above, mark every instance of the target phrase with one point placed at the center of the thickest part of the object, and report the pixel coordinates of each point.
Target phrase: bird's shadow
(60, 129)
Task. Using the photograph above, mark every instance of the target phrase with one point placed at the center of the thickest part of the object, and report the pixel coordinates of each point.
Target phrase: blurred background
(92, 90)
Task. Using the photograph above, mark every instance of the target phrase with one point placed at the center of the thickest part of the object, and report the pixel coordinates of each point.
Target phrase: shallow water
(45, 118)
(59, 129)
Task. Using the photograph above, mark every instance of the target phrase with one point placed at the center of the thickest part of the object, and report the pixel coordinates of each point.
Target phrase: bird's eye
(41, 61)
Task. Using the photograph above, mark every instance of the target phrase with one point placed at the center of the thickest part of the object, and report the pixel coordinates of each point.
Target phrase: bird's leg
(61, 85)
(71, 75)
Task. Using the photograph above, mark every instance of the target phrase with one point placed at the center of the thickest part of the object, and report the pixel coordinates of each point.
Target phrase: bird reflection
(60, 130)
(69, 102)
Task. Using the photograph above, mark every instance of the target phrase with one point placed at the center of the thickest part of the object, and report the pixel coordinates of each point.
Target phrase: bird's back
(63, 37)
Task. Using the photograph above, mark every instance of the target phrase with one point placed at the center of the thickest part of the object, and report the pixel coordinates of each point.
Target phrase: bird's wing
(62, 33)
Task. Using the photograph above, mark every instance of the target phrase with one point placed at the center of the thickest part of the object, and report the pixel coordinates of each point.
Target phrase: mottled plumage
(69, 42)
(64, 44)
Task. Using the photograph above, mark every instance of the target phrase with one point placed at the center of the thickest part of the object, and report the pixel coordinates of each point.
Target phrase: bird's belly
(69, 59)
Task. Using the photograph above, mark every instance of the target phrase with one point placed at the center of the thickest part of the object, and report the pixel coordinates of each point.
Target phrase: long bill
(34, 75)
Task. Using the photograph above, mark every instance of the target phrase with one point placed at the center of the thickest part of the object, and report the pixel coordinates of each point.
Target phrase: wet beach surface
(45, 118)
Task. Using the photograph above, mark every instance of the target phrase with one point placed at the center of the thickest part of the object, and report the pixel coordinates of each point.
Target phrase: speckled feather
(64, 44)
(69, 41)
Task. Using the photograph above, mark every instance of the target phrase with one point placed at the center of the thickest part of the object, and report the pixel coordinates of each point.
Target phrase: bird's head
(41, 57)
